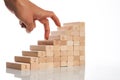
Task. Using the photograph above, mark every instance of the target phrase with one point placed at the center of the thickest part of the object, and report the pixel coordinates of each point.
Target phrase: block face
(64, 61)
(76, 53)
(76, 60)
(34, 53)
(70, 60)
(18, 66)
(64, 53)
(57, 53)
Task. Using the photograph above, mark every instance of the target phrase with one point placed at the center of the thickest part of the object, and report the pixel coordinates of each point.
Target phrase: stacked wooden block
(65, 47)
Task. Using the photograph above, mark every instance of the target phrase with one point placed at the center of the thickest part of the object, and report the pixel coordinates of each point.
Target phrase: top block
(74, 26)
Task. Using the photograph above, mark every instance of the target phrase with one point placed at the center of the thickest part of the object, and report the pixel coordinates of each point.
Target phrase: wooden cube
(70, 48)
(76, 38)
(70, 60)
(77, 42)
(76, 53)
(56, 61)
(81, 48)
(70, 52)
(82, 38)
(64, 48)
(76, 60)
(64, 61)
(64, 53)
(57, 53)
(82, 60)
(82, 52)
(70, 42)
(49, 53)
(76, 47)
(49, 62)
(42, 60)
(34, 53)
(56, 48)
(18, 66)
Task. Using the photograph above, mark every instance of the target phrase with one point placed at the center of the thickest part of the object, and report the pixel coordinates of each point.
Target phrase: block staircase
(64, 48)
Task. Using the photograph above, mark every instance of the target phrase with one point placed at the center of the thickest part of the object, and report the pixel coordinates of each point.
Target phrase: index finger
(55, 19)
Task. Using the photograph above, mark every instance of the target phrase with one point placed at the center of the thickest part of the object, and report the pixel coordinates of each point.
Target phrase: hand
(27, 13)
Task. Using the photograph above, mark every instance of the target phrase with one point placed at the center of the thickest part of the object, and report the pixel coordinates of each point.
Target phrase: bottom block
(18, 66)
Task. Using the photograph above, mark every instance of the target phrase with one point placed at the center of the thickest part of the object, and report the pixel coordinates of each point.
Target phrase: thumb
(28, 26)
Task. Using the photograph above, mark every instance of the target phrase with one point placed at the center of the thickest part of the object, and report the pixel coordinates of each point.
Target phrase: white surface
(102, 19)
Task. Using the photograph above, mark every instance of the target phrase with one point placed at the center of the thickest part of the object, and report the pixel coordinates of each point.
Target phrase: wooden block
(82, 28)
(49, 53)
(82, 52)
(76, 42)
(64, 60)
(49, 59)
(82, 38)
(56, 33)
(18, 66)
(57, 53)
(41, 47)
(52, 42)
(76, 61)
(70, 42)
(78, 26)
(76, 33)
(81, 24)
(34, 53)
(81, 48)
(64, 53)
(56, 59)
(70, 48)
(50, 65)
(64, 48)
(76, 38)
(76, 47)
(57, 64)
(45, 42)
(42, 60)
(26, 59)
(64, 28)
(82, 60)
(82, 43)
(70, 53)
(56, 48)
(82, 34)
(60, 37)
(49, 62)
(42, 66)
(70, 60)
(76, 53)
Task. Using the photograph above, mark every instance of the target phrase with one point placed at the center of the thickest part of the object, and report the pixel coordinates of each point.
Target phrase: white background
(102, 18)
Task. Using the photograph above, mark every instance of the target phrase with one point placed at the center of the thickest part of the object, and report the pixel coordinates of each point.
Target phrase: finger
(22, 24)
(29, 26)
(45, 22)
(54, 18)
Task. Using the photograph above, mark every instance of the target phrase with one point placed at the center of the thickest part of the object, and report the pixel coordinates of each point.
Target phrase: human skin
(27, 12)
